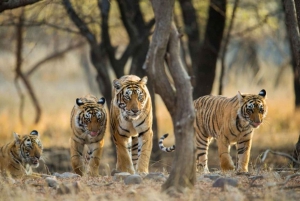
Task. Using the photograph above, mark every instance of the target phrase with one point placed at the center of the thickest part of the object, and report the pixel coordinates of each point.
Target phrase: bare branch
(249, 30)
(83, 28)
(19, 73)
(55, 55)
(11, 4)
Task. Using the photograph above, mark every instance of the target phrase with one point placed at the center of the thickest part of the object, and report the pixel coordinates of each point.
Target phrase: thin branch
(249, 30)
(55, 55)
(226, 42)
(83, 28)
(11, 4)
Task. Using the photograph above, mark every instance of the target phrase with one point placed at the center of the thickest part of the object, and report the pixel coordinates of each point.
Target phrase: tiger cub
(19, 156)
(88, 123)
(231, 121)
(131, 122)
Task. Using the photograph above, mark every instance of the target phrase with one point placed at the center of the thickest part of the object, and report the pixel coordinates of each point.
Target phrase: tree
(292, 15)
(164, 52)
(204, 54)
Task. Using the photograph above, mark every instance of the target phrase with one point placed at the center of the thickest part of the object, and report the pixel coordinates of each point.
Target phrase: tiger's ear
(34, 132)
(117, 84)
(263, 93)
(144, 80)
(79, 101)
(17, 138)
(101, 101)
(240, 96)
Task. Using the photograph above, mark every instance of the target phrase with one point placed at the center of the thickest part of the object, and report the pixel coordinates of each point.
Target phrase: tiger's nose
(135, 111)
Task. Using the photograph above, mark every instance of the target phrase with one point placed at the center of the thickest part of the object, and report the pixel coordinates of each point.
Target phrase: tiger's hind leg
(202, 144)
(95, 151)
(76, 151)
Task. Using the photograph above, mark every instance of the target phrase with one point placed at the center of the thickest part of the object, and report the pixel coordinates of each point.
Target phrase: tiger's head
(30, 148)
(92, 115)
(131, 95)
(253, 108)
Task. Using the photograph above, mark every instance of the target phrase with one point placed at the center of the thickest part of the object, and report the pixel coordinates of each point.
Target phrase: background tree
(165, 46)
(292, 18)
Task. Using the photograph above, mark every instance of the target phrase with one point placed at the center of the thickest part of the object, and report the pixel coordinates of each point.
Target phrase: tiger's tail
(161, 145)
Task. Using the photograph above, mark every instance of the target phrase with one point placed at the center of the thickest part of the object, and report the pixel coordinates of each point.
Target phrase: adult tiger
(18, 157)
(230, 121)
(131, 122)
(88, 123)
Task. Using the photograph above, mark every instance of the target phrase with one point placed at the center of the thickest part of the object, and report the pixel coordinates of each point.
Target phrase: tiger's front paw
(242, 169)
(227, 165)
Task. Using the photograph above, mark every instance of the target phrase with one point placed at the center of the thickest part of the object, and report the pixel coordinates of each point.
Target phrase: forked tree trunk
(165, 47)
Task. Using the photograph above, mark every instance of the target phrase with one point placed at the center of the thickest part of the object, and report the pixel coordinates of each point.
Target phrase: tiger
(17, 158)
(88, 123)
(231, 121)
(131, 122)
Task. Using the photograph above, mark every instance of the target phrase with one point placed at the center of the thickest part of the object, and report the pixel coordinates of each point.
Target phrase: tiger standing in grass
(131, 122)
(88, 123)
(19, 156)
(231, 121)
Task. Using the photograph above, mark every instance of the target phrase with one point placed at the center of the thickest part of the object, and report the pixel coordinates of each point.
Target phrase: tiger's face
(131, 96)
(92, 116)
(253, 108)
(31, 148)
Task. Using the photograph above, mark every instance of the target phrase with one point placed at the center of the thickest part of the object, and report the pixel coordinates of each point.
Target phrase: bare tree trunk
(225, 44)
(179, 102)
(193, 33)
(208, 54)
(21, 75)
(291, 15)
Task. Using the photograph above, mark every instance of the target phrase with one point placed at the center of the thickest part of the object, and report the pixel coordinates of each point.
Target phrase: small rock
(52, 182)
(220, 182)
(66, 175)
(212, 176)
(133, 179)
(121, 176)
(156, 176)
(113, 172)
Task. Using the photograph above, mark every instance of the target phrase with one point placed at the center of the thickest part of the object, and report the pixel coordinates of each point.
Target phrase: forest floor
(266, 185)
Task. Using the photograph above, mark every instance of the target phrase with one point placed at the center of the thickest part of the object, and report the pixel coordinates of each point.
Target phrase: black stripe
(142, 133)
(200, 155)
(124, 129)
(247, 133)
(123, 135)
(243, 141)
(142, 121)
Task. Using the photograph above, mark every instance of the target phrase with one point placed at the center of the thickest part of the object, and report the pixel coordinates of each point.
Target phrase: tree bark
(208, 54)
(165, 44)
(291, 15)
